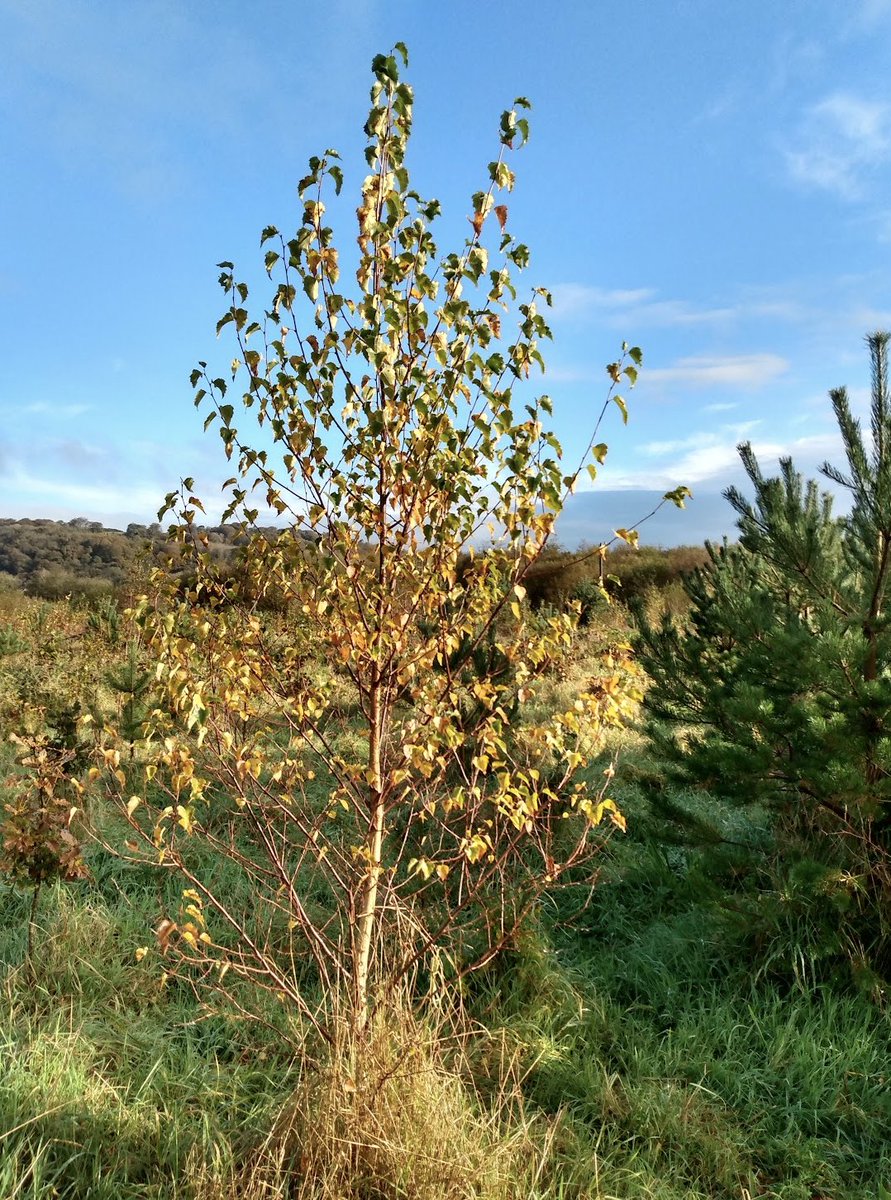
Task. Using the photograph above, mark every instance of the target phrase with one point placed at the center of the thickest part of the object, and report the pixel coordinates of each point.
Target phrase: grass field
(646, 1048)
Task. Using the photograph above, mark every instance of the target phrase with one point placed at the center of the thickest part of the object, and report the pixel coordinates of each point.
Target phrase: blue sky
(709, 180)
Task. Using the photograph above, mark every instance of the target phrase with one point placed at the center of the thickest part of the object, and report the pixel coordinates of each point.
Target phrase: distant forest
(52, 559)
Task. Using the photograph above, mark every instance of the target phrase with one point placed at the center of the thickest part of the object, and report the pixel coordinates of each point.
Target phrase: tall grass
(649, 1048)
(634, 1055)
(676, 1066)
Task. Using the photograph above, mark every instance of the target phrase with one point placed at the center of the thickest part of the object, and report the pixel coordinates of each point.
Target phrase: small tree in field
(392, 439)
(778, 690)
(36, 842)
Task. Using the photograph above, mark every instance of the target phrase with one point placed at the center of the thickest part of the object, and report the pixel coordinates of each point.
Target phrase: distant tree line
(53, 559)
(80, 557)
(626, 574)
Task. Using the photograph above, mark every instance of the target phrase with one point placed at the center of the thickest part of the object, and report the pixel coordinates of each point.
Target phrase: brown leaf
(163, 930)
(477, 222)
(501, 214)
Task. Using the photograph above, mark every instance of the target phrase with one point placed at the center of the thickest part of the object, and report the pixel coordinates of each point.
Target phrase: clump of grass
(395, 1116)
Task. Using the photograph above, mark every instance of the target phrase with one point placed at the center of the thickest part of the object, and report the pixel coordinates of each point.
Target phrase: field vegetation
(658, 1043)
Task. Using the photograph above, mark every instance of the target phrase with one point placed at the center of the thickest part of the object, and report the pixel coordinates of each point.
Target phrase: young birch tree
(396, 435)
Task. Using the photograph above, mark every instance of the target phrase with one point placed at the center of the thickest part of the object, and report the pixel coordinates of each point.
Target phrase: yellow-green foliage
(402, 430)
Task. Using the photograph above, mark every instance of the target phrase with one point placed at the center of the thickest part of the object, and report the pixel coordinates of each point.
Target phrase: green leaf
(678, 495)
(622, 407)
(600, 451)
(384, 67)
(508, 127)
(519, 256)
(501, 175)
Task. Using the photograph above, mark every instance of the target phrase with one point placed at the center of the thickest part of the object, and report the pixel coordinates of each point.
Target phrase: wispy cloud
(574, 301)
(119, 87)
(719, 408)
(713, 462)
(100, 499)
(57, 411)
(793, 59)
(740, 370)
(85, 458)
(701, 441)
(579, 299)
(644, 308)
(727, 102)
(840, 142)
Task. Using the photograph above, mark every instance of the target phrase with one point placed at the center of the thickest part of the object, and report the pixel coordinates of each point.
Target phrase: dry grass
(394, 1116)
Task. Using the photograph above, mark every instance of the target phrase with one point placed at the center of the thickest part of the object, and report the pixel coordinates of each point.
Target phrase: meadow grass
(634, 1054)
(649, 1047)
(678, 1067)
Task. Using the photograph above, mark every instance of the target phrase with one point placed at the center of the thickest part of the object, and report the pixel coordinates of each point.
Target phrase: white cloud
(102, 499)
(639, 306)
(727, 102)
(644, 308)
(116, 88)
(714, 461)
(719, 408)
(840, 141)
(578, 299)
(704, 440)
(59, 411)
(706, 463)
(740, 370)
(679, 312)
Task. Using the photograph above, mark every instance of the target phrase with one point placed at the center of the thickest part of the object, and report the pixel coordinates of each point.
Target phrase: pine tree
(131, 683)
(777, 691)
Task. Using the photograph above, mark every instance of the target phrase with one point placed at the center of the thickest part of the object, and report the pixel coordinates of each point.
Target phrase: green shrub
(776, 691)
